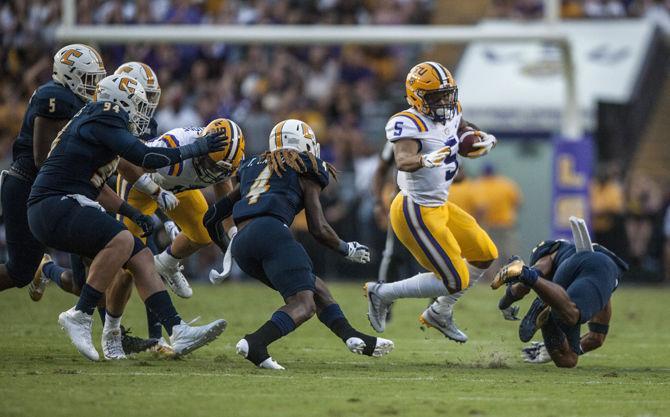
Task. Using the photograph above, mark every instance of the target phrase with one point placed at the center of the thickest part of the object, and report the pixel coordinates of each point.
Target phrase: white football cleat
(382, 346)
(185, 338)
(242, 349)
(112, 344)
(444, 324)
(78, 326)
(39, 283)
(377, 308)
(174, 278)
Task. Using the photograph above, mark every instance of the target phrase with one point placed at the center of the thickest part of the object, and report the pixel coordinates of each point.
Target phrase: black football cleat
(529, 325)
(132, 344)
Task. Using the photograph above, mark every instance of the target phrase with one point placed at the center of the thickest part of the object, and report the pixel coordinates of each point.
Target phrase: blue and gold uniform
(54, 101)
(62, 212)
(265, 248)
(589, 278)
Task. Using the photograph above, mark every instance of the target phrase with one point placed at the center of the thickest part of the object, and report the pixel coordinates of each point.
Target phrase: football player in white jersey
(443, 238)
(176, 191)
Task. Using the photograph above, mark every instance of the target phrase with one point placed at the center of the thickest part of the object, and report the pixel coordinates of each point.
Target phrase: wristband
(192, 150)
(343, 248)
(128, 211)
(146, 185)
(598, 327)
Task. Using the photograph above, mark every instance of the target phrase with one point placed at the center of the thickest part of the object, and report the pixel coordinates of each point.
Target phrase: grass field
(41, 374)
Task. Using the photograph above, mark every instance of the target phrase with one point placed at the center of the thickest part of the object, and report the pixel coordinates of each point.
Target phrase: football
(467, 138)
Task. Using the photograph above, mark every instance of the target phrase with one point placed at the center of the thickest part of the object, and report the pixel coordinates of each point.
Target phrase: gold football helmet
(432, 90)
(219, 165)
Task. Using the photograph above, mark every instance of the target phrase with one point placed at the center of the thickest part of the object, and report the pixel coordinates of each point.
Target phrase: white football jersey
(426, 186)
(186, 175)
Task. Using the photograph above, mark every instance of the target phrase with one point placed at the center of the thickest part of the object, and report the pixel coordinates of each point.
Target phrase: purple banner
(572, 170)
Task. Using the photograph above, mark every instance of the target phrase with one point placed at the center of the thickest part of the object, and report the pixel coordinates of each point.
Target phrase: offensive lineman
(440, 235)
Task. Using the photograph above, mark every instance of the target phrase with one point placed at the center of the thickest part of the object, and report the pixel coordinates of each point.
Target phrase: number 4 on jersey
(259, 186)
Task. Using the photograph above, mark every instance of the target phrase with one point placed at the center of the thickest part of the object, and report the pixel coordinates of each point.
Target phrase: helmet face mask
(79, 67)
(219, 165)
(443, 103)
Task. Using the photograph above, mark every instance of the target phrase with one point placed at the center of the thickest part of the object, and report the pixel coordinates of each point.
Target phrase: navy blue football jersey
(264, 193)
(51, 100)
(81, 161)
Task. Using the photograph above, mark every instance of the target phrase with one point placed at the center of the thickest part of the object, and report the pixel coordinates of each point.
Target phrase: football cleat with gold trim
(508, 274)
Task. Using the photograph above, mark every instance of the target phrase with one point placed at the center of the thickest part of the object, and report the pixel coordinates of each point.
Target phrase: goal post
(571, 124)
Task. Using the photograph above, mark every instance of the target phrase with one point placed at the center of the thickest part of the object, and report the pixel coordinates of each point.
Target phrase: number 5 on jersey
(259, 186)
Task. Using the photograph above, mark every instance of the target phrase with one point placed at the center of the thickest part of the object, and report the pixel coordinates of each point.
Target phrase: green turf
(41, 374)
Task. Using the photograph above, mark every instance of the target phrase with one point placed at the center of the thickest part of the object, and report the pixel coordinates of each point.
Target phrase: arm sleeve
(130, 148)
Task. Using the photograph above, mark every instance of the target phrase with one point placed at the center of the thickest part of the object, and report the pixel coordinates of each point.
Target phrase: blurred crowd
(345, 93)
(583, 9)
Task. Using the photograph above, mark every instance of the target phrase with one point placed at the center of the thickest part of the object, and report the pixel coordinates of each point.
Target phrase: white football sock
(445, 303)
(112, 323)
(168, 259)
(425, 285)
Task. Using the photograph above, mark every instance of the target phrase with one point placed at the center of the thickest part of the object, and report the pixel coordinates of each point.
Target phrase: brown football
(468, 137)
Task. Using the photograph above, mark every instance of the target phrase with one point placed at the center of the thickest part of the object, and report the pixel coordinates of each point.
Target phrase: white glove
(535, 353)
(357, 253)
(435, 158)
(510, 313)
(171, 229)
(484, 146)
(166, 200)
(218, 277)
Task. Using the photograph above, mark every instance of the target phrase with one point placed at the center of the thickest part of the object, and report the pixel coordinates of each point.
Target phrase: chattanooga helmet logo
(127, 84)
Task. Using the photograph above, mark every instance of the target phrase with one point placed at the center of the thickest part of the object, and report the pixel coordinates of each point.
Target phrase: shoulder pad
(618, 261)
(56, 102)
(544, 248)
(321, 175)
(405, 125)
(105, 114)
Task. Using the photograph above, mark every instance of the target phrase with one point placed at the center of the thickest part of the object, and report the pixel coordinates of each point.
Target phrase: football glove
(357, 253)
(435, 158)
(166, 199)
(483, 147)
(535, 353)
(171, 229)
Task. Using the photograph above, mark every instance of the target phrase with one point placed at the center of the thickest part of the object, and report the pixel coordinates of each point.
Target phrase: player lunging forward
(440, 235)
(274, 187)
(63, 214)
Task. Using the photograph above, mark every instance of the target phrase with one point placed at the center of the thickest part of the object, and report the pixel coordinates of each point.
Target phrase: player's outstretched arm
(126, 145)
(322, 231)
(143, 183)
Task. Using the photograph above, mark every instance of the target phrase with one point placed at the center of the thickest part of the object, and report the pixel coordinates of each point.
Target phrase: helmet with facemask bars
(431, 90)
(78, 67)
(217, 166)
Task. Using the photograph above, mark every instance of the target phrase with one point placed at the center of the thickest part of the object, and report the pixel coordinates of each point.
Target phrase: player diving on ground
(442, 237)
(574, 283)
